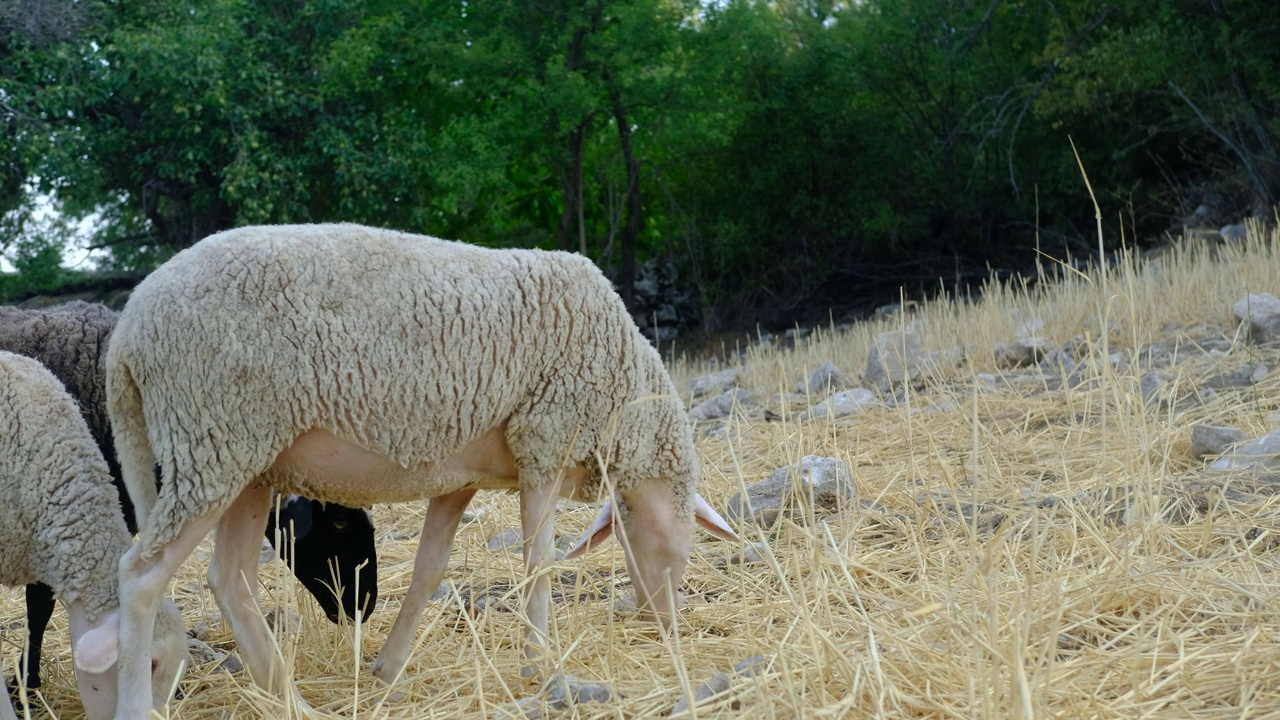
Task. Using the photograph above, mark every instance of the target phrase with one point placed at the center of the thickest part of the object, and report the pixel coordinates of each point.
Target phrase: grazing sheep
(60, 525)
(71, 341)
(357, 365)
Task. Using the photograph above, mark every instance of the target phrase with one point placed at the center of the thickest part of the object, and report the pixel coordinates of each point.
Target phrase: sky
(45, 218)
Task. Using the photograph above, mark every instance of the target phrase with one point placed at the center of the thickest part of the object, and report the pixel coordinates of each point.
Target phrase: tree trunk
(571, 189)
(627, 272)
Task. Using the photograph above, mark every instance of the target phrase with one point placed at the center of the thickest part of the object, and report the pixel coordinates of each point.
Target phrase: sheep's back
(408, 345)
(60, 521)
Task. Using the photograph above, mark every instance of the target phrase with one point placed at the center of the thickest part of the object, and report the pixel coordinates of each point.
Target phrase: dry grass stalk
(1131, 597)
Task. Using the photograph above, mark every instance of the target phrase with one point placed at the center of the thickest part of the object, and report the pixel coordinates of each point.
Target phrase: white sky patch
(48, 221)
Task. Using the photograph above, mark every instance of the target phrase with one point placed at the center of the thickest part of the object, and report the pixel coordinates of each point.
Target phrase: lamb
(60, 525)
(358, 365)
(71, 341)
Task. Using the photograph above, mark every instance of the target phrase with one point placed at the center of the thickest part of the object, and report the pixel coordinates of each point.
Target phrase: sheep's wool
(60, 522)
(408, 346)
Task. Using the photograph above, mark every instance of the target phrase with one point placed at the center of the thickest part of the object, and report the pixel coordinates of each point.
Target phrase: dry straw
(1011, 557)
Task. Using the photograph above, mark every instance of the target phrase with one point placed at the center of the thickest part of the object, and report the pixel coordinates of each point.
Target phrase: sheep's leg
(39, 610)
(142, 586)
(441, 524)
(537, 521)
(656, 539)
(233, 577)
(6, 710)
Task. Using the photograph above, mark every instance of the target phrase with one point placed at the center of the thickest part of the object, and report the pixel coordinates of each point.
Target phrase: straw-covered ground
(1018, 549)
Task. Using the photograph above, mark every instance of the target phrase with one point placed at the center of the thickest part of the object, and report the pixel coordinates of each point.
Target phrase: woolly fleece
(71, 341)
(406, 345)
(60, 523)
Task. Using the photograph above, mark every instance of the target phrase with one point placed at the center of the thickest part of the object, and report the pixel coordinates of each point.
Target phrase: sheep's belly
(326, 467)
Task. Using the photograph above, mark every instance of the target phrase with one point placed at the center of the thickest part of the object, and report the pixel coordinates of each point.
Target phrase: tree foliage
(787, 155)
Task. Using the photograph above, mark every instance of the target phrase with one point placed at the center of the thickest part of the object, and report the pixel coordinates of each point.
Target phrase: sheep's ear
(600, 530)
(710, 520)
(298, 515)
(99, 647)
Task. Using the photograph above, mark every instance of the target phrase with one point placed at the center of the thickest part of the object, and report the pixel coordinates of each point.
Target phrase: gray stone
(1213, 439)
(1156, 389)
(720, 406)
(1030, 330)
(202, 653)
(626, 603)
(1261, 454)
(509, 539)
(704, 692)
(276, 616)
(823, 380)
(716, 382)
(1022, 352)
(825, 484)
(1234, 232)
(1247, 376)
(565, 690)
(746, 668)
(845, 402)
(232, 664)
(1262, 313)
(750, 554)
(895, 357)
(751, 667)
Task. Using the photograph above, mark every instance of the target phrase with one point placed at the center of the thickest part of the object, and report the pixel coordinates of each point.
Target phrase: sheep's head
(331, 552)
(97, 649)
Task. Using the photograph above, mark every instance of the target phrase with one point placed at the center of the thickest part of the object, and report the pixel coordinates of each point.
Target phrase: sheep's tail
(129, 426)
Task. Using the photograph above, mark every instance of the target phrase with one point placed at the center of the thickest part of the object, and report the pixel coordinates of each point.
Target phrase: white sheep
(61, 525)
(358, 366)
(333, 551)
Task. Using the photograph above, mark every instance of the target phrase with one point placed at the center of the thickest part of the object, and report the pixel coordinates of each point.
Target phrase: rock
(474, 515)
(289, 618)
(202, 653)
(707, 690)
(845, 402)
(1213, 439)
(1031, 329)
(1022, 352)
(1262, 313)
(1261, 454)
(750, 554)
(626, 602)
(747, 668)
(1156, 389)
(199, 631)
(716, 382)
(895, 357)
(1233, 233)
(1249, 375)
(750, 667)
(565, 690)
(823, 380)
(985, 516)
(509, 539)
(826, 483)
(720, 406)
(232, 664)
